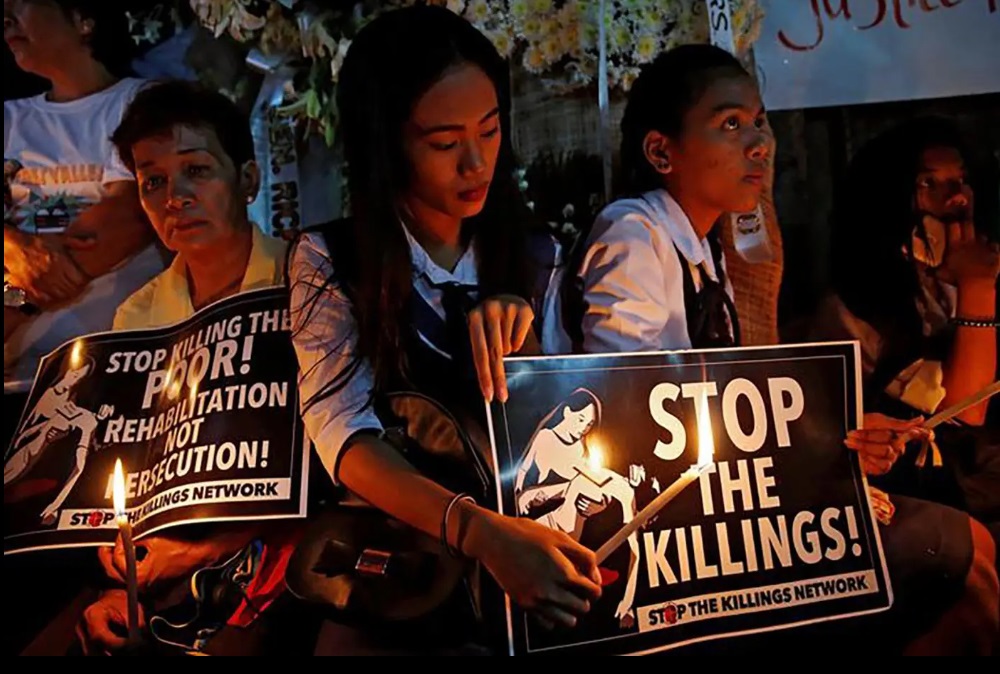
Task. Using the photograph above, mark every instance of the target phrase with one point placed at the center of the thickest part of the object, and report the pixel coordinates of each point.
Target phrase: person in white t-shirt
(75, 239)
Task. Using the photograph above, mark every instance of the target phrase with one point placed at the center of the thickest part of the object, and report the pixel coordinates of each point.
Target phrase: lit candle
(76, 355)
(706, 454)
(594, 469)
(125, 530)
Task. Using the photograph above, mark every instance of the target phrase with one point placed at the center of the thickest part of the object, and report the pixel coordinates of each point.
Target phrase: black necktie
(458, 300)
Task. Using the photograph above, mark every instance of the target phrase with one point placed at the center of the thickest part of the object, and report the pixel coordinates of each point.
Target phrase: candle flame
(595, 456)
(76, 355)
(706, 437)
(118, 489)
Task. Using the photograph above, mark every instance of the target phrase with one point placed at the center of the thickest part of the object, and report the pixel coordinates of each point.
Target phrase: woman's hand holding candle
(163, 561)
(128, 546)
(884, 440)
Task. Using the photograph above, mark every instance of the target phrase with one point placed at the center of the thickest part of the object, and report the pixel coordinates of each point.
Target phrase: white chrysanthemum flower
(570, 38)
(503, 42)
(589, 34)
(532, 27)
(690, 28)
(650, 22)
(534, 59)
(478, 11)
(646, 48)
(551, 50)
(539, 6)
(620, 38)
(570, 12)
(519, 9)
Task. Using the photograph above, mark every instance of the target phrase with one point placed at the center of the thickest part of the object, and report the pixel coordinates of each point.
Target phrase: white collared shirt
(633, 281)
(325, 338)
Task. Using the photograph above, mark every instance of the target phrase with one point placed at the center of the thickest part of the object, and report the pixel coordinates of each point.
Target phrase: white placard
(814, 53)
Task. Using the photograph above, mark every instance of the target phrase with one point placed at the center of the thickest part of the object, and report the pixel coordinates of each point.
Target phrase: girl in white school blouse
(697, 144)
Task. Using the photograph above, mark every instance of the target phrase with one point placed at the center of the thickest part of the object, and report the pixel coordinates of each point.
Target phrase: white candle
(125, 530)
(706, 454)
(650, 511)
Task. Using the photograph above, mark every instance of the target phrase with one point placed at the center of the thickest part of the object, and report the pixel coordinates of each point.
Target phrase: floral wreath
(555, 40)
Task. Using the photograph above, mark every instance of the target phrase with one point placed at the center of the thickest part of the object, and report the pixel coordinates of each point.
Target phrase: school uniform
(649, 283)
(440, 366)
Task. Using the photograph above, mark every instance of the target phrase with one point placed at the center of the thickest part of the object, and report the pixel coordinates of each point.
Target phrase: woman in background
(75, 240)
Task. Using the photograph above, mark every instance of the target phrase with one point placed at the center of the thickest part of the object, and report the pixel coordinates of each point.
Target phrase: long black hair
(662, 95)
(873, 223)
(660, 98)
(577, 401)
(874, 219)
(392, 62)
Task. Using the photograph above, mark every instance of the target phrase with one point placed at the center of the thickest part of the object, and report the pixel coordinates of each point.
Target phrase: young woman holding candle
(696, 144)
(436, 246)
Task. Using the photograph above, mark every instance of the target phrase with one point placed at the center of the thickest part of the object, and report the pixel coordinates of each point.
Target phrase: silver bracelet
(459, 498)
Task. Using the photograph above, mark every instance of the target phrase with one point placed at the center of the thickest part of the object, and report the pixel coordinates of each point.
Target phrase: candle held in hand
(706, 456)
(125, 531)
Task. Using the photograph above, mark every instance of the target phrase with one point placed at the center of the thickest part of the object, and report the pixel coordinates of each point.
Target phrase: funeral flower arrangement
(555, 40)
(560, 41)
